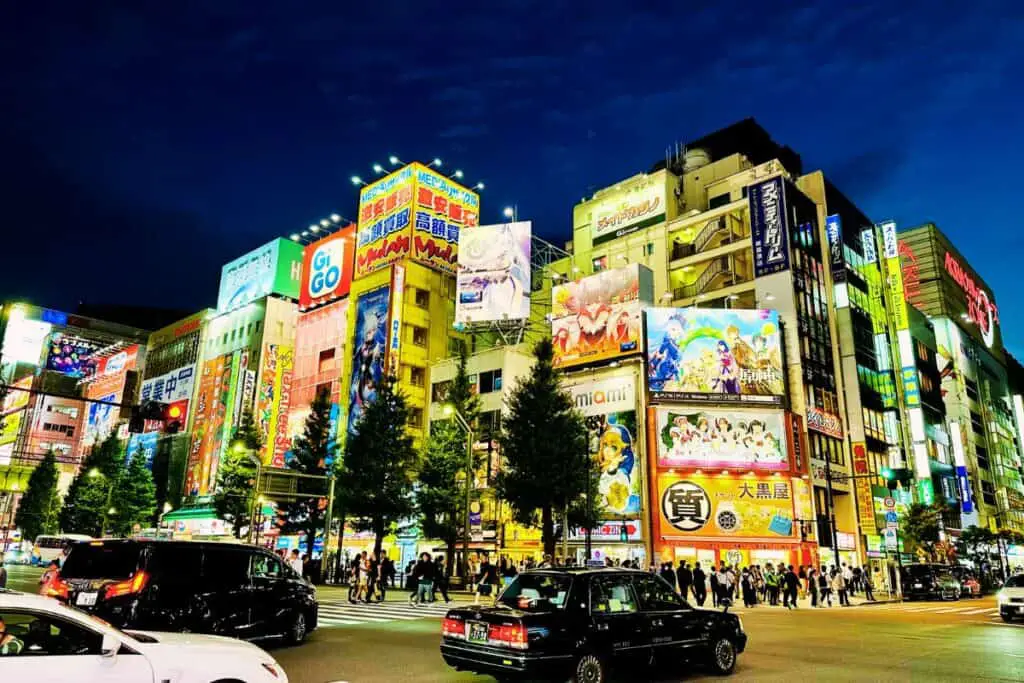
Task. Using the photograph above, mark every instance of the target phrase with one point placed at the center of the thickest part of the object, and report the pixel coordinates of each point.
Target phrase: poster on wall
(751, 440)
(715, 355)
(72, 356)
(493, 281)
(597, 317)
(715, 506)
(609, 411)
(369, 347)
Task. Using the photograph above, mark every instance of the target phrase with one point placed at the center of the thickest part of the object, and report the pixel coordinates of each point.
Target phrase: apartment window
(419, 336)
(416, 417)
(988, 492)
(324, 388)
(417, 375)
(490, 381)
(422, 298)
(439, 391)
(325, 362)
(982, 455)
(718, 200)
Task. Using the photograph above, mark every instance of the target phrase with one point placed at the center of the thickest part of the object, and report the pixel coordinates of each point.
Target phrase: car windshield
(1015, 582)
(101, 561)
(537, 592)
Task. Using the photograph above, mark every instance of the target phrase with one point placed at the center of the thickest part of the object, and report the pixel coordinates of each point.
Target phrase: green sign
(925, 491)
(274, 268)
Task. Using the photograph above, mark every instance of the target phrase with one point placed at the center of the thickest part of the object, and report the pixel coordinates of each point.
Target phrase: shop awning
(204, 512)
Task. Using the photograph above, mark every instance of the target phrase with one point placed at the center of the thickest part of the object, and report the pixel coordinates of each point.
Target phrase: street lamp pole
(451, 410)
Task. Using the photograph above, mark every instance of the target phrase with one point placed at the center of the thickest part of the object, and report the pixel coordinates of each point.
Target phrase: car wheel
(297, 630)
(589, 669)
(1006, 617)
(723, 656)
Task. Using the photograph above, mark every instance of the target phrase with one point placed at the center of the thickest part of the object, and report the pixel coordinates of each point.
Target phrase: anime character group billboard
(598, 317)
(369, 346)
(751, 440)
(704, 354)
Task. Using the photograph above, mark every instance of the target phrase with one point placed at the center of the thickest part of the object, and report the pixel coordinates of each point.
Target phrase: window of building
(718, 200)
(982, 455)
(439, 391)
(490, 381)
(600, 263)
(988, 492)
(419, 335)
(415, 417)
(417, 375)
(325, 362)
(927, 385)
(422, 298)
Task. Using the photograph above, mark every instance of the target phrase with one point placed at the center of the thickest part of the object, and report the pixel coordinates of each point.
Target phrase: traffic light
(886, 473)
(896, 475)
(173, 417)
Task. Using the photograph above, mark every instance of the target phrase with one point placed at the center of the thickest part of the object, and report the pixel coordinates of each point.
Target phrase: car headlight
(1001, 598)
(739, 624)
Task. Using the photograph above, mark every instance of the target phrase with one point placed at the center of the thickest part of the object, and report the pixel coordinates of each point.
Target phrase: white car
(45, 641)
(1011, 598)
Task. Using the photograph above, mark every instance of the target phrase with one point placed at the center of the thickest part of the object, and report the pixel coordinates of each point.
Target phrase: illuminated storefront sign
(394, 355)
(170, 387)
(630, 206)
(867, 242)
(824, 422)
(980, 307)
(834, 232)
(630, 531)
(769, 227)
(327, 268)
(862, 486)
(722, 506)
(443, 208)
(274, 268)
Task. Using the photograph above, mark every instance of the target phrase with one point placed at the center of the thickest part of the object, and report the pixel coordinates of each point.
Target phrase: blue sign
(147, 443)
(891, 516)
(769, 228)
(964, 484)
(834, 232)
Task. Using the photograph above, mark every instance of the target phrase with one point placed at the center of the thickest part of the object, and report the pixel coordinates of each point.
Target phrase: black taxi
(582, 623)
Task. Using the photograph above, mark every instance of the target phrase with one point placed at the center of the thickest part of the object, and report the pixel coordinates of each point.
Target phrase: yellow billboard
(443, 208)
(629, 206)
(717, 506)
(385, 221)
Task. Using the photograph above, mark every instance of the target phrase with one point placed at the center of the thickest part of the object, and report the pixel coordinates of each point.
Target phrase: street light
(509, 212)
(452, 411)
(395, 161)
(356, 180)
(377, 168)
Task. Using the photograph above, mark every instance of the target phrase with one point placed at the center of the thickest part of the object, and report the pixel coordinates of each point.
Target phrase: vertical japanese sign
(394, 354)
(443, 208)
(769, 227)
(201, 425)
(273, 400)
(834, 232)
(867, 242)
(865, 499)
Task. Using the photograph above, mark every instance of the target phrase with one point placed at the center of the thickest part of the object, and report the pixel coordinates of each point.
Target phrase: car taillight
(128, 587)
(513, 635)
(59, 589)
(453, 628)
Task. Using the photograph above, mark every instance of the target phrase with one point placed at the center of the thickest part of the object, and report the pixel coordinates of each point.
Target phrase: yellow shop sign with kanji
(717, 506)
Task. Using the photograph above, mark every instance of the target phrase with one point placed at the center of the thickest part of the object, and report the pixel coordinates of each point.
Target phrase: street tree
(236, 476)
(375, 477)
(90, 492)
(975, 543)
(921, 525)
(310, 454)
(133, 500)
(40, 505)
(544, 445)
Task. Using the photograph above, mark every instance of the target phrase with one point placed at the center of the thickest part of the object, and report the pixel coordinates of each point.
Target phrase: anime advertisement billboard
(714, 355)
(718, 507)
(273, 401)
(609, 411)
(721, 439)
(597, 317)
(212, 422)
(493, 281)
(370, 343)
(72, 356)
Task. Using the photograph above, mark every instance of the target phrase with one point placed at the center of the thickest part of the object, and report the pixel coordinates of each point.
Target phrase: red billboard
(327, 268)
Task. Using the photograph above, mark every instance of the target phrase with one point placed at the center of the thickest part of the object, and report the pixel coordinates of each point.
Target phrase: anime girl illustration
(368, 358)
(664, 364)
(727, 381)
(617, 461)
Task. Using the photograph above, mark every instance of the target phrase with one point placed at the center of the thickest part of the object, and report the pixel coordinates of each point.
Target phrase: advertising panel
(443, 209)
(385, 219)
(394, 354)
(824, 422)
(715, 439)
(107, 385)
(143, 442)
(177, 330)
(598, 317)
(834, 232)
(169, 387)
(327, 268)
(319, 348)
(72, 356)
(493, 281)
(717, 355)
(867, 242)
(274, 268)
(369, 347)
(630, 531)
(101, 419)
(609, 411)
(769, 227)
(273, 400)
(11, 414)
(865, 499)
(719, 506)
(981, 309)
(629, 207)
(24, 340)
(202, 423)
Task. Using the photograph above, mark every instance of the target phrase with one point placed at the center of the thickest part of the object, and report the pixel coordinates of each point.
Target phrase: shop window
(422, 298)
(417, 375)
(325, 362)
(419, 336)
(490, 381)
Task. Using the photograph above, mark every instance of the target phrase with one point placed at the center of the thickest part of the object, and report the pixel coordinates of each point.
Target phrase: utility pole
(454, 412)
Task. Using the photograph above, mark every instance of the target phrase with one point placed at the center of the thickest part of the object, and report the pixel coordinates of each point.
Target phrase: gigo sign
(327, 268)
(980, 308)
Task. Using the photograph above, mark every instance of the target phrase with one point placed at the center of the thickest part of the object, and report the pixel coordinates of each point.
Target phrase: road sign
(892, 520)
(891, 539)
(889, 503)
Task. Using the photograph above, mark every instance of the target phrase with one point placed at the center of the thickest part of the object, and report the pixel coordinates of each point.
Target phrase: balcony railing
(719, 266)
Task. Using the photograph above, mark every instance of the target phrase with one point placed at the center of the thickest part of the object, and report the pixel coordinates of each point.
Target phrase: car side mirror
(725, 603)
(110, 646)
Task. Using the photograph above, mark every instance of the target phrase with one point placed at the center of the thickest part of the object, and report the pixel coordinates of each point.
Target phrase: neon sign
(980, 308)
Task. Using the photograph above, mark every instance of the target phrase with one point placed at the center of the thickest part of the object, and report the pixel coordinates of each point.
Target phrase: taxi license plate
(86, 599)
(477, 632)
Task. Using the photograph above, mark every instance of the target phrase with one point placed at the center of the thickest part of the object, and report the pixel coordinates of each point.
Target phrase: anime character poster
(609, 411)
(704, 354)
(751, 440)
(494, 273)
(369, 346)
(598, 317)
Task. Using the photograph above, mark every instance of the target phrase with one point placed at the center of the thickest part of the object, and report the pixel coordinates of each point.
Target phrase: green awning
(190, 513)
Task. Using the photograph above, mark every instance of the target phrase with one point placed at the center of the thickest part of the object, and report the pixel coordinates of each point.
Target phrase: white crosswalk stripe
(344, 613)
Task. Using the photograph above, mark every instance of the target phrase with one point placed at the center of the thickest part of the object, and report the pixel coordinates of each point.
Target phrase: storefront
(614, 540)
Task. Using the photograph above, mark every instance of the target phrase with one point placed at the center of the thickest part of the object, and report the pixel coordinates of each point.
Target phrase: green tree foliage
(310, 454)
(87, 497)
(133, 497)
(975, 543)
(375, 477)
(544, 444)
(39, 507)
(921, 526)
(236, 476)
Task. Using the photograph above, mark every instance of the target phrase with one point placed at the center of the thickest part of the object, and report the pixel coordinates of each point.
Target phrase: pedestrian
(791, 587)
(869, 590)
(3, 572)
(700, 586)
(858, 580)
(824, 587)
(352, 570)
(847, 573)
(684, 578)
(295, 562)
(667, 574)
(747, 587)
(839, 587)
(440, 579)
(546, 562)
(758, 576)
(812, 585)
(731, 582)
(724, 584)
(486, 581)
(423, 574)
(771, 580)
(715, 588)
(802, 576)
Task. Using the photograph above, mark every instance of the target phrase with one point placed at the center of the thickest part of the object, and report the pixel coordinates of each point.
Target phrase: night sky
(146, 143)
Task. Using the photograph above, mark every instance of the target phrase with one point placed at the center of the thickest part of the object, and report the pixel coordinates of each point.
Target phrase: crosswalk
(959, 609)
(344, 613)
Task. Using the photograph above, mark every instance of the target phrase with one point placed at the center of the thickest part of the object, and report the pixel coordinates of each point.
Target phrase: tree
(921, 526)
(375, 476)
(975, 543)
(91, 490)
(39, 507)
(134, 497)
(311, 452)
(236, 476)
(440, 496)
(544, 443)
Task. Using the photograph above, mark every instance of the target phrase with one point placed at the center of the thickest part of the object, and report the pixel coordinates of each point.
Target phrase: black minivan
(204, 587)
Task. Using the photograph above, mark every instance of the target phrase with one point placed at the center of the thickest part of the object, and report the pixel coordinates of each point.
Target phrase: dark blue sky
(145, 143)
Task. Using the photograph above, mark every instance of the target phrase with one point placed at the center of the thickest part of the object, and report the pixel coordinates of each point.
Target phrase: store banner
(719, 506)
(748, 440)
(630, 531)
(769, 228)
(862, 487)
(964, 484)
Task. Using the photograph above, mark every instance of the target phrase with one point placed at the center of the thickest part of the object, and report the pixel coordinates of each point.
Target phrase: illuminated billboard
(72, 356)
(629, 206)
(369, 347)
(716, 506)
(609, 412)
(273, 401)
(717, 355)
(274, 268)
(717, 439)
(214, 417)
(597, 318)
(769, 227)
(415, 212)
(319, 349)
(24, 340)
(107, 386)
(327, 268)
(169, 387)
(493, 281)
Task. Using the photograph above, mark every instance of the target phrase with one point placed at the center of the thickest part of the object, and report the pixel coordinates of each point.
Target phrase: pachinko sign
(628, 207)
(980, 307)
(717, 506)
(597, 318)
(715, 439)
(714, 355)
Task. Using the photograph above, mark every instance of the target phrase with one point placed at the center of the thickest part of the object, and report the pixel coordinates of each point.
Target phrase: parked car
(1011, 598)
(204, 587)
(929, 582)
(581, 623)
(49, 548)
(969, 585)
(45, 641)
